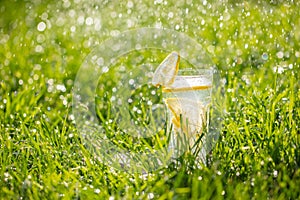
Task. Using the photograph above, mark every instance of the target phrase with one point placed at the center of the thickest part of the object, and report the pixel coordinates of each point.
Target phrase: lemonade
(187, 95)
(188, 99)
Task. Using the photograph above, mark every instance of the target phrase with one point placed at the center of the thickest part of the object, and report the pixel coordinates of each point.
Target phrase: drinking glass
(188, 101)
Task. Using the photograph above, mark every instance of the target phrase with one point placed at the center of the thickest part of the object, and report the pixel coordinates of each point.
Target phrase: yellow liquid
(187, 83)
(182, 89)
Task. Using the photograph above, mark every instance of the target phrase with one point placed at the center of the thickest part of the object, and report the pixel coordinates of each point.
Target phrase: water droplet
(129, 4)
(170, 14)
(73, 29)
(97, 23)
(113, 98)
(97, 191)
(279, 54)
(61, 87)
(278, 69)
(105, 69)
(150, 196)
(202, 22)
(131, 82)
(265, 56)
(80, 20)
(41, 26)
(89, 21)
(65, 102)
(39, 49)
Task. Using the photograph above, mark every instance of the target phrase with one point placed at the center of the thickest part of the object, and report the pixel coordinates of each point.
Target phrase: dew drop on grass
(80, 20)
(265, 56)
(40, 38)
(170, 14)
(41, 26)
(89, 21)
(105, 69)
(278, 69)
(280, 54)
(39, 49)
(131, 81)
(65, 102)
(113, 98)
(61, 87)
(150, 196)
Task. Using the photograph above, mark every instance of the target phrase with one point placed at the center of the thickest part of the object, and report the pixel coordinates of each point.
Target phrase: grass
(255, 46)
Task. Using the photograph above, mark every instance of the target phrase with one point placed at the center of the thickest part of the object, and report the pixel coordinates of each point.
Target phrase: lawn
(254, 45)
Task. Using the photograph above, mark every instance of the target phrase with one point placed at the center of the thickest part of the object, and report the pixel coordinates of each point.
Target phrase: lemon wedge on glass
(165, 73)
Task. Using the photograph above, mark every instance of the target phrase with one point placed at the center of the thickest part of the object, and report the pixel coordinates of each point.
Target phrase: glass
(188, 101)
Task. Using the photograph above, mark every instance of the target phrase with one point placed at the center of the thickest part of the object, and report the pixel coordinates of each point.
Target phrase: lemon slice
(188, 115)
(188, 83)
(165, 74)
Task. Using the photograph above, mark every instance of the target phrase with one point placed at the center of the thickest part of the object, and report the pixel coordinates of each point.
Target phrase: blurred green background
(255, 46)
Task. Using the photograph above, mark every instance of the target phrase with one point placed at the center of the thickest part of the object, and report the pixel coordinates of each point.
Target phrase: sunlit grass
(255, 47)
